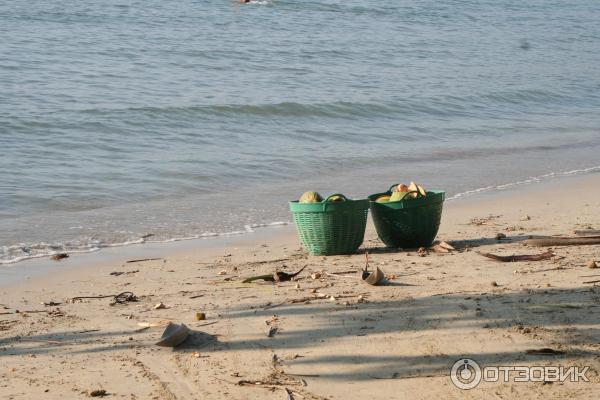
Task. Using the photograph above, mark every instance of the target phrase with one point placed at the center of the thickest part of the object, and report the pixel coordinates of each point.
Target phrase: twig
(408, 377)
(588, 232)
(39, 341)
(208, 323)
(562, 241)
(343, 272)
(524, 257)
(460, 292)
(266, 277)
(596, 281)
(544, 352)
(31, 311)
(269, 306)
(119, 298)
(288, 393)
(310, 298)
(550, 269)
(196, 296)
(338, 275)
(278, 276)
(143, 259)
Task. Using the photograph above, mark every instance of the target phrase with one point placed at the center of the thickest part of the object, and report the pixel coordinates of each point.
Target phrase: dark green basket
(410, 223)
(328, 228)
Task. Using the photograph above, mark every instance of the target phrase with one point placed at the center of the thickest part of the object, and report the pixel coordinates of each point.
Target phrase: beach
(153, 121)
(325, 334)
(151, 152)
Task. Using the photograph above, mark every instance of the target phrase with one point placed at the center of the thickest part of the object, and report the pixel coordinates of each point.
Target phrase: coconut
(397, 196)
(336, 197)
(413, 188)
(311, 197)
(401, 188)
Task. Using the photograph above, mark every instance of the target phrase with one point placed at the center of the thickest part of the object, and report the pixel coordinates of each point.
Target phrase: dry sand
(348, 341)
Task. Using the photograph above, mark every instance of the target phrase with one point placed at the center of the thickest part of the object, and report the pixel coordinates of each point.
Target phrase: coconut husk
(373, 278)
(174, 335)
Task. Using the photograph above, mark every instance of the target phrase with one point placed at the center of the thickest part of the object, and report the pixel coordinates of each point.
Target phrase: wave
(21, 252)
(533, 179)
(468, 105)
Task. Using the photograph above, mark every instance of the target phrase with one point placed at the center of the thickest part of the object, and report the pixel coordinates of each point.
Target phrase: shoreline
(41, 247)
(39, 267)
(326, 331)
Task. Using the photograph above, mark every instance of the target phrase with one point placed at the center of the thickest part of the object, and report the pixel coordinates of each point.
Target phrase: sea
(129, 121)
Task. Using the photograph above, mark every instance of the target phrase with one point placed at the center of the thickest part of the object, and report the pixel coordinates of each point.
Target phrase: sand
(332, 337)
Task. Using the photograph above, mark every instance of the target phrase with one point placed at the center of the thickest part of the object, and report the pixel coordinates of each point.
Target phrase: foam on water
(533, 179)
(21, 252)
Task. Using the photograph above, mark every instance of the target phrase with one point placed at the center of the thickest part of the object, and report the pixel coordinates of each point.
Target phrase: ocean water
(131, 121)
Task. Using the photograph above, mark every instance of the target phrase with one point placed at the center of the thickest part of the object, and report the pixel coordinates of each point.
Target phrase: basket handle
(336, 194)
(419, 195)
(393, 186)
(327, 204)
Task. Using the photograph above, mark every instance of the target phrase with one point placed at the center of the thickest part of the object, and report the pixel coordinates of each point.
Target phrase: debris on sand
(372, 278)
(277, 276)
(515, 258)
(145, 259)
(546, 351)
(442, 247)
(50, 303)
(174, 335)
(484, 220)
(117, 298)
(59, 256)
(200, 316)
(272, 331)
(563, 241)
(588, 232)
(153, 324)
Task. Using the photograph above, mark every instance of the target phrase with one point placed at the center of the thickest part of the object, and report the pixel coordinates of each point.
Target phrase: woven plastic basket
(409, 223)
(328, 228)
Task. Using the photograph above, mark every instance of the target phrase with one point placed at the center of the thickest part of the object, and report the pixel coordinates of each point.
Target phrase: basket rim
(434, 196)
(348, 205)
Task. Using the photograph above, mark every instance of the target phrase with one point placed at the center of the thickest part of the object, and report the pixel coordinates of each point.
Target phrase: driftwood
(588, 232)
(524, 257)
(562, 241)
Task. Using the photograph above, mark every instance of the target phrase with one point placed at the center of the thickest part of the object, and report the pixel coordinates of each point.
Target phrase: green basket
(328, 228)
(410, 223)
